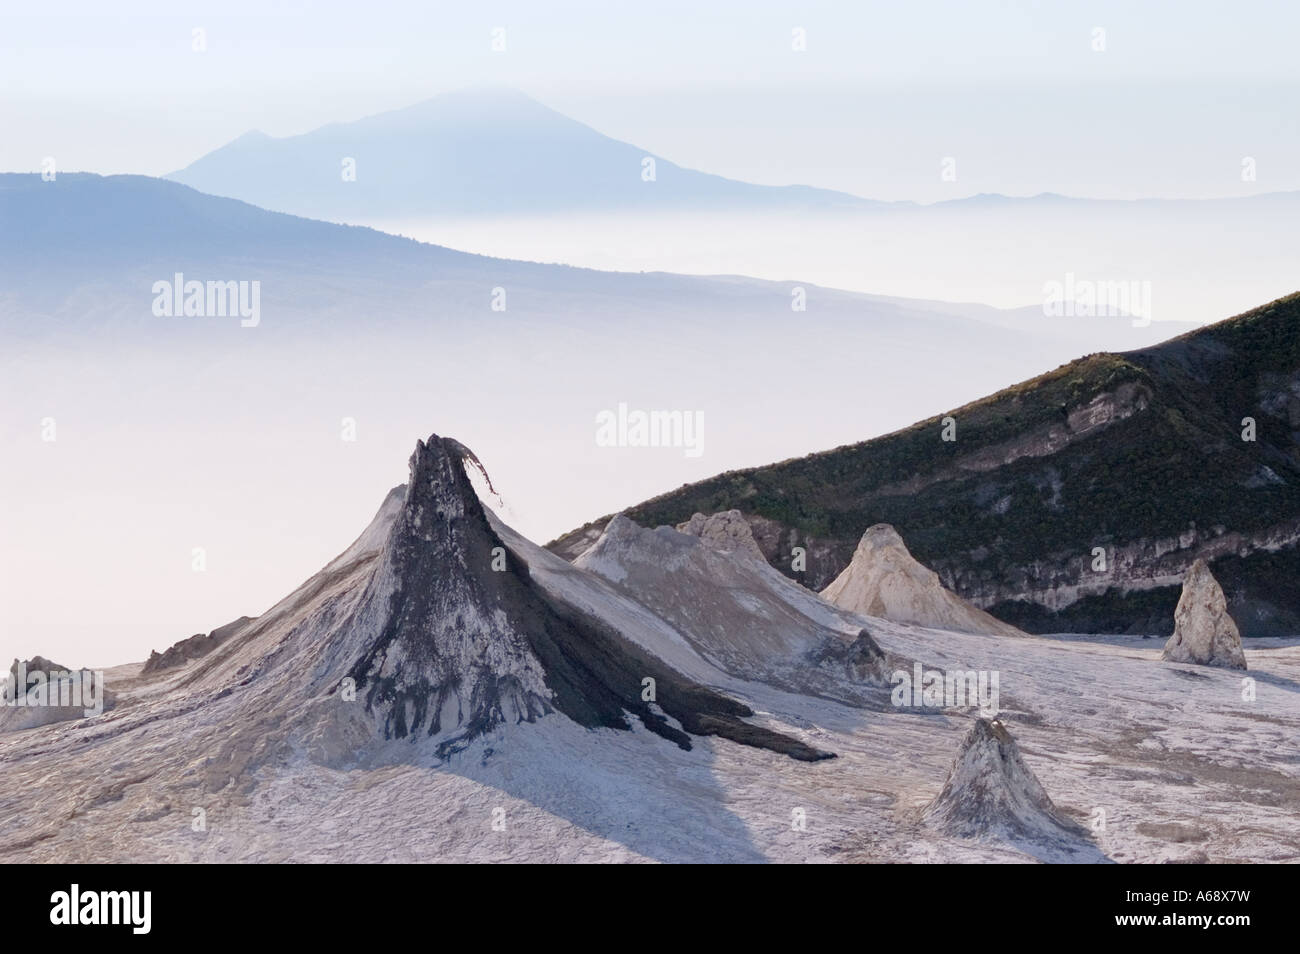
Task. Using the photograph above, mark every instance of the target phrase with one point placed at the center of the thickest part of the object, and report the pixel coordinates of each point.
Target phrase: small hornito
(991, 791)
(886, 581)
(445, 647)
(1204, 633)
(728, 532)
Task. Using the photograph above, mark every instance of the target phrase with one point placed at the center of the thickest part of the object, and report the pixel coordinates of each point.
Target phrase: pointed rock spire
(455, 638)
(1204, 633)
(990, 790)
(886, 581)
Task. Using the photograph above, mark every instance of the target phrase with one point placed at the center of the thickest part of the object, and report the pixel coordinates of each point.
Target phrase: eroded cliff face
(1139, 580)
(1128, 588)
(1098, 413)
(1135, 593)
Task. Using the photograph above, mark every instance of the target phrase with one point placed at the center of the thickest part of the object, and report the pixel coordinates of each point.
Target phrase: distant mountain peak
(476, 150)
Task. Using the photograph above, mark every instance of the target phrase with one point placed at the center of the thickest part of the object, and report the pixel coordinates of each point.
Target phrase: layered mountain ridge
(883, 579)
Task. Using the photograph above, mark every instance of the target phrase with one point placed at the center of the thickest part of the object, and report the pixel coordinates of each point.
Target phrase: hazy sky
(884, 91)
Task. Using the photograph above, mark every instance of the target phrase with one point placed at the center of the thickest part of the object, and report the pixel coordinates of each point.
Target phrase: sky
(1016, 92)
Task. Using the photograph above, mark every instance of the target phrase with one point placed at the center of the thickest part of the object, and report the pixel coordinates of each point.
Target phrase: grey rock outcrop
(991, 791)
(63, 694)
(1204, 633)
(727, 531)
(196, 646)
